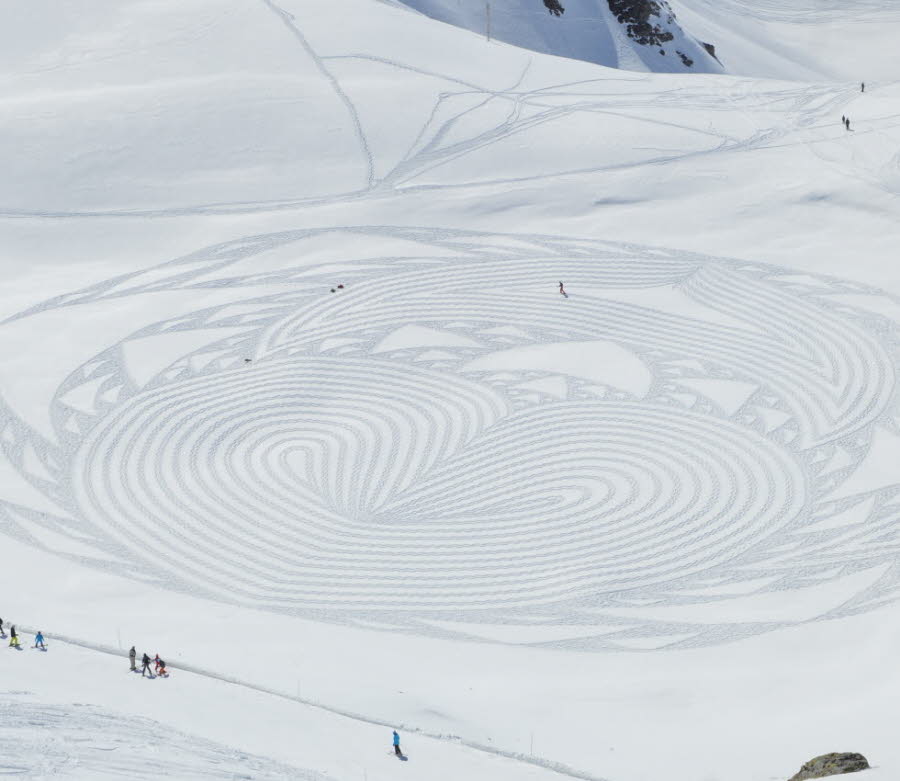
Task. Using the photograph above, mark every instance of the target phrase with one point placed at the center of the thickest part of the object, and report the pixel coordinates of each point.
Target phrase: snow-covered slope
(822, 40)
(639, 35)
(608, 536)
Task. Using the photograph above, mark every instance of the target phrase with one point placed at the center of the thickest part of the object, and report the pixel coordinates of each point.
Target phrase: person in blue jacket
(39, 640)
(397, 750)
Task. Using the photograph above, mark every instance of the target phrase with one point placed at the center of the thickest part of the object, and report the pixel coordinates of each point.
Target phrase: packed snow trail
(540, 762)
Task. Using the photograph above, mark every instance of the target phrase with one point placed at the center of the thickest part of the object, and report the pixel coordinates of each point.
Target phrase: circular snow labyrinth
(447, 439)
(329, 483)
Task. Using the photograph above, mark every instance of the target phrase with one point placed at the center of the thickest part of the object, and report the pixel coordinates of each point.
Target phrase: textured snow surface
(625, 533)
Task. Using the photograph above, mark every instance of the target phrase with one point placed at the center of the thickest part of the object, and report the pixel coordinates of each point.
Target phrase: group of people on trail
(14, 637)
(846, 119)
(159, 666)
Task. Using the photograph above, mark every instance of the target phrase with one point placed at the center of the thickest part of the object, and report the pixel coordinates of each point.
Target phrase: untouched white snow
(646, 531)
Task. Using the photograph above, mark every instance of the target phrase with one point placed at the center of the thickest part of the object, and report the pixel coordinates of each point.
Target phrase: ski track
(357, 471)
(260, 764)
(423, 165)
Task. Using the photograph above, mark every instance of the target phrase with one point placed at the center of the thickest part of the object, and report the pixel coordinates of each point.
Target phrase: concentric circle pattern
(448, 445)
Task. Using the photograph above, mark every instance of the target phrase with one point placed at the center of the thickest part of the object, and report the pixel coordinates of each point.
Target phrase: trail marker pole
(487, 20)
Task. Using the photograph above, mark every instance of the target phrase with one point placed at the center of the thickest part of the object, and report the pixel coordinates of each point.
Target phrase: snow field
(378, 453)
(430, 499)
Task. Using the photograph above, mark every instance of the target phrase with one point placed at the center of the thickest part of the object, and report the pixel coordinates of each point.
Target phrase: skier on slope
(397, 750)
(13, 637)
(132, 655)
(39, 640)
(562, 290)
(145, 661)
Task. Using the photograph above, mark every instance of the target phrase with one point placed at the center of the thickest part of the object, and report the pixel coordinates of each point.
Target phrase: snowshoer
(39, 640)
(146, 668)
(132, 655)
(397, 750)
(13, 637)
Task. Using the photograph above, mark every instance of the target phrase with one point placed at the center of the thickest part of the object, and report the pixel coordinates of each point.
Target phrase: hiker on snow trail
(13, 637)
(132, 655)
(39, 640)
(397, 750)
(562, 290)
(146, 668)
(863, 85)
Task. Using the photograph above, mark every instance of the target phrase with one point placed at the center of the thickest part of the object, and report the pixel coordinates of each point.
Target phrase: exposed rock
(638, 18)
(554, 7)
(709, 48)
(688, 62)
(831, 765)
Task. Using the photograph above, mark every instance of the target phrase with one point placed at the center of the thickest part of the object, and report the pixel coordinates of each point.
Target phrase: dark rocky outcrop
(641, 19)
(554, 7)
(710, 49)
(831, 765)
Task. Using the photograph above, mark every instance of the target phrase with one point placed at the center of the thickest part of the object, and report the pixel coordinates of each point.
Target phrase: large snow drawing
(447, 444)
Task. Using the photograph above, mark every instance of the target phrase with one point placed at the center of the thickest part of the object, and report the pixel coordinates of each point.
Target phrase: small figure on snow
(13, 637)
(161, 671)
(397, 750)
(843, 120)
(862, 87)
(562, 290)
(145, 661)
(39, 641)
(132, 655)
(847, 123)
(554, 7)
(2, 633)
